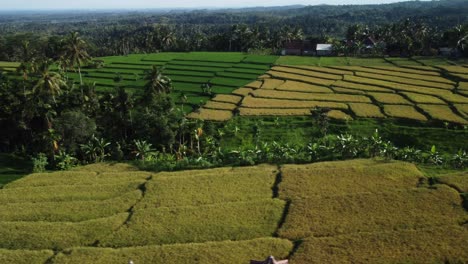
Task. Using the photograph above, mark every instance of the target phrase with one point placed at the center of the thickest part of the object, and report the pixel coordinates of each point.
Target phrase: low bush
(225, 252)
(230, 221)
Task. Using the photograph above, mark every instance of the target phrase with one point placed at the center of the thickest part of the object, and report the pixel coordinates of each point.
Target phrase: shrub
(40, 162)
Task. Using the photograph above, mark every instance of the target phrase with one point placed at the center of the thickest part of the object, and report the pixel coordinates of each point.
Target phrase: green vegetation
(25, 256)
(12, 168)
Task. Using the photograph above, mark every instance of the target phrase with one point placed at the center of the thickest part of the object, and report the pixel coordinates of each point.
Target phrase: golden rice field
(419, 93)
(357, 211)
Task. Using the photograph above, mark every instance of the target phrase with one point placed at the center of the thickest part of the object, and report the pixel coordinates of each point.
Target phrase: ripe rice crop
(453, 98)
(57, 235)
(413, 76)
(300, 78)
(311, 180)
(389, 98)
(445, 244)
(73, 211)
(360, 87)
(253, 102)
(230, 221)
(59, 193)
(422, 70)
(303, 87)
(459, 181)
(242, 91)
(274, 111)
(366, 110)
(462, 109)
(77, 178)
(460, 75)
(271, 83)
(423, 98)
(403, 111)
(338, 115)
(226, 252)
(443, 113)
(25, 256)
(211, 114)
(227, 98)
(405, 80)
(219, 105)
(347, 91)
(235, 185)
(330, 70)
(370, 212)
(355, 61)
(455, 69)
(463, 85)
(255, 84)
(307, 73)
(310, 96)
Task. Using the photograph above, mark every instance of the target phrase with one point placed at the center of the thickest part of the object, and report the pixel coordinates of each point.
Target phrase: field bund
(359, 211)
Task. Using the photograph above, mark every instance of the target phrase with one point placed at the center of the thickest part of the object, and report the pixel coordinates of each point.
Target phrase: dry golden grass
(423, 98)
(242, 91)
(459, 181)
(307, 72)
(346, 177)
(254, 102)
(274, 112)
(264, 76)
(462, 109)
(422, 70)
(400, 75)
(311, 96)
(403, 111)
(366, 110)
(369, 212)
(227, 98)
(303, 87)
(219, 105)
(340, 71)
(107, 167)
(301, 78)
(339, 115)
(361, 87)
(463, 85)
(389, 98)
(255, 84)
(446, 244)
(211, 114)
(347, 91)
(404, 80)
(271, 83)
(443, 113)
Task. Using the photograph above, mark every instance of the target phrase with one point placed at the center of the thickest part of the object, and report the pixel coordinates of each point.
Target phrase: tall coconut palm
(75, 52)
(49, 83)
(157, 82)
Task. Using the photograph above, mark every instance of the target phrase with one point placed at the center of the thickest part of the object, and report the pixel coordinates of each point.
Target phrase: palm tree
(50, 83)
(157, 83)
(75, 52)
(144, 150)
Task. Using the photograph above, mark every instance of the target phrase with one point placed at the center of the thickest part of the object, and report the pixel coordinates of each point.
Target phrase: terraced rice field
(331, 211)
(374, 90)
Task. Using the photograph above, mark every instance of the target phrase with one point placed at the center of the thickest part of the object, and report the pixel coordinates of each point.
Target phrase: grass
(403, 111)
(233, 221)
(74, 211)
(366, 110)
(58, 235)
(345, 213)
(445, 244)
(211, 114)
(225, 252)
(298, 60)
(12, 168)
(25, 256)
(307, 181)
(229, 185)
(260, 59)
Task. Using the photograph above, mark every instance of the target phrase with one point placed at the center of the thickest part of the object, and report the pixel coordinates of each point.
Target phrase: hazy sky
(135, 4)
